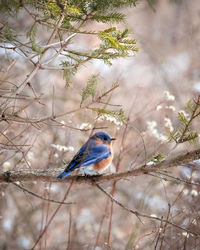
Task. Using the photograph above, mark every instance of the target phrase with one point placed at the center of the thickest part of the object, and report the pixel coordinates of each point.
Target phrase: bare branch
(52, 217)
(50, 174)
(138, 214)
(40, 197)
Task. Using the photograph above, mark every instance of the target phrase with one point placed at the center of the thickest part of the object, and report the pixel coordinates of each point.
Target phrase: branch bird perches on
(50, 174)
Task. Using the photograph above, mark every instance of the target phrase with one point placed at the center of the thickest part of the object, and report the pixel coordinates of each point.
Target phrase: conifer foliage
(68, 19)
(184, 131)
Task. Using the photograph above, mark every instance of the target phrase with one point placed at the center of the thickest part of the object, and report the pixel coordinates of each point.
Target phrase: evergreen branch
(111, 17)
(6, 34)
(60, 18)
(117, 114)
(32, 32)
(188, 123)
(183, 132)
(67, 29)
(116, 85)
(60, 43)
(90, 88)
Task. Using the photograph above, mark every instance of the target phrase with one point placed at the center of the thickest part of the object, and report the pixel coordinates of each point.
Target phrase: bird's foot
(93, 175)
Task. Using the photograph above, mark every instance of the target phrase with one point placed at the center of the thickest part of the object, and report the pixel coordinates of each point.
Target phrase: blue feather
(96, 154)
(91, 152)
(63, 174)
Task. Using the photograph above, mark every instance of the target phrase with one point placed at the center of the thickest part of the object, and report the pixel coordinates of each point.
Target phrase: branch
(138, 214)
(176, 179)
(52, 217)
(50, 174)
(60, 43)
(40, 197)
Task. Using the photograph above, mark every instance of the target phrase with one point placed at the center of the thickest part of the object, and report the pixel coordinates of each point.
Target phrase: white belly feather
(89, 170)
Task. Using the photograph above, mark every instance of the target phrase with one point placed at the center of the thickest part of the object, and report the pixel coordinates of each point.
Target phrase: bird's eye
(105, 138)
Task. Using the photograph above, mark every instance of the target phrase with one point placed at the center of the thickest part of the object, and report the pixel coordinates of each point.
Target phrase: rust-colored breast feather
(98, 166)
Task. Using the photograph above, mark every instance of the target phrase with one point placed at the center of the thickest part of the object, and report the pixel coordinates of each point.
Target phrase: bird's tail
(64, 174)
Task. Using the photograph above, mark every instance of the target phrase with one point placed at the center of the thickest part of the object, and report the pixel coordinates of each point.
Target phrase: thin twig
(138, 214)
(159, 233)
(115, 181)
(53, 215)
(69, 231)
(117, 202)
(164, 227)
(61, 43)
(101, 223)
(176, 179)
(40, 197)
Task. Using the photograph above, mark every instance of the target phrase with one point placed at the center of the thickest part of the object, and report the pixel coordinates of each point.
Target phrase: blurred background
(154, 85)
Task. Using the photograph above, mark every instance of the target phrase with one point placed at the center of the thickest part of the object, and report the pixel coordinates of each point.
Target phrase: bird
(93, 157)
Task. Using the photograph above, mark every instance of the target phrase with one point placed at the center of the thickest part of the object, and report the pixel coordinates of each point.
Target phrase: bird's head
(103, 137)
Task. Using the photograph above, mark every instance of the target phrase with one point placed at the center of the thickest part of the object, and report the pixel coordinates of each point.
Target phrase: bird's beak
(112, 139)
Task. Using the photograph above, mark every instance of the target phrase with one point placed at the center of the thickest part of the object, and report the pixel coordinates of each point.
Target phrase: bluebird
(93, 157)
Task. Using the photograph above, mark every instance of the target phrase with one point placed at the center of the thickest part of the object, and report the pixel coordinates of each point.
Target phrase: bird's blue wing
(87, 155)
(74, 163)
(96, 154)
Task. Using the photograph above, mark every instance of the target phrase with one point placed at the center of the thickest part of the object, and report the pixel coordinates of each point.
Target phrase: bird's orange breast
(98, 166)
